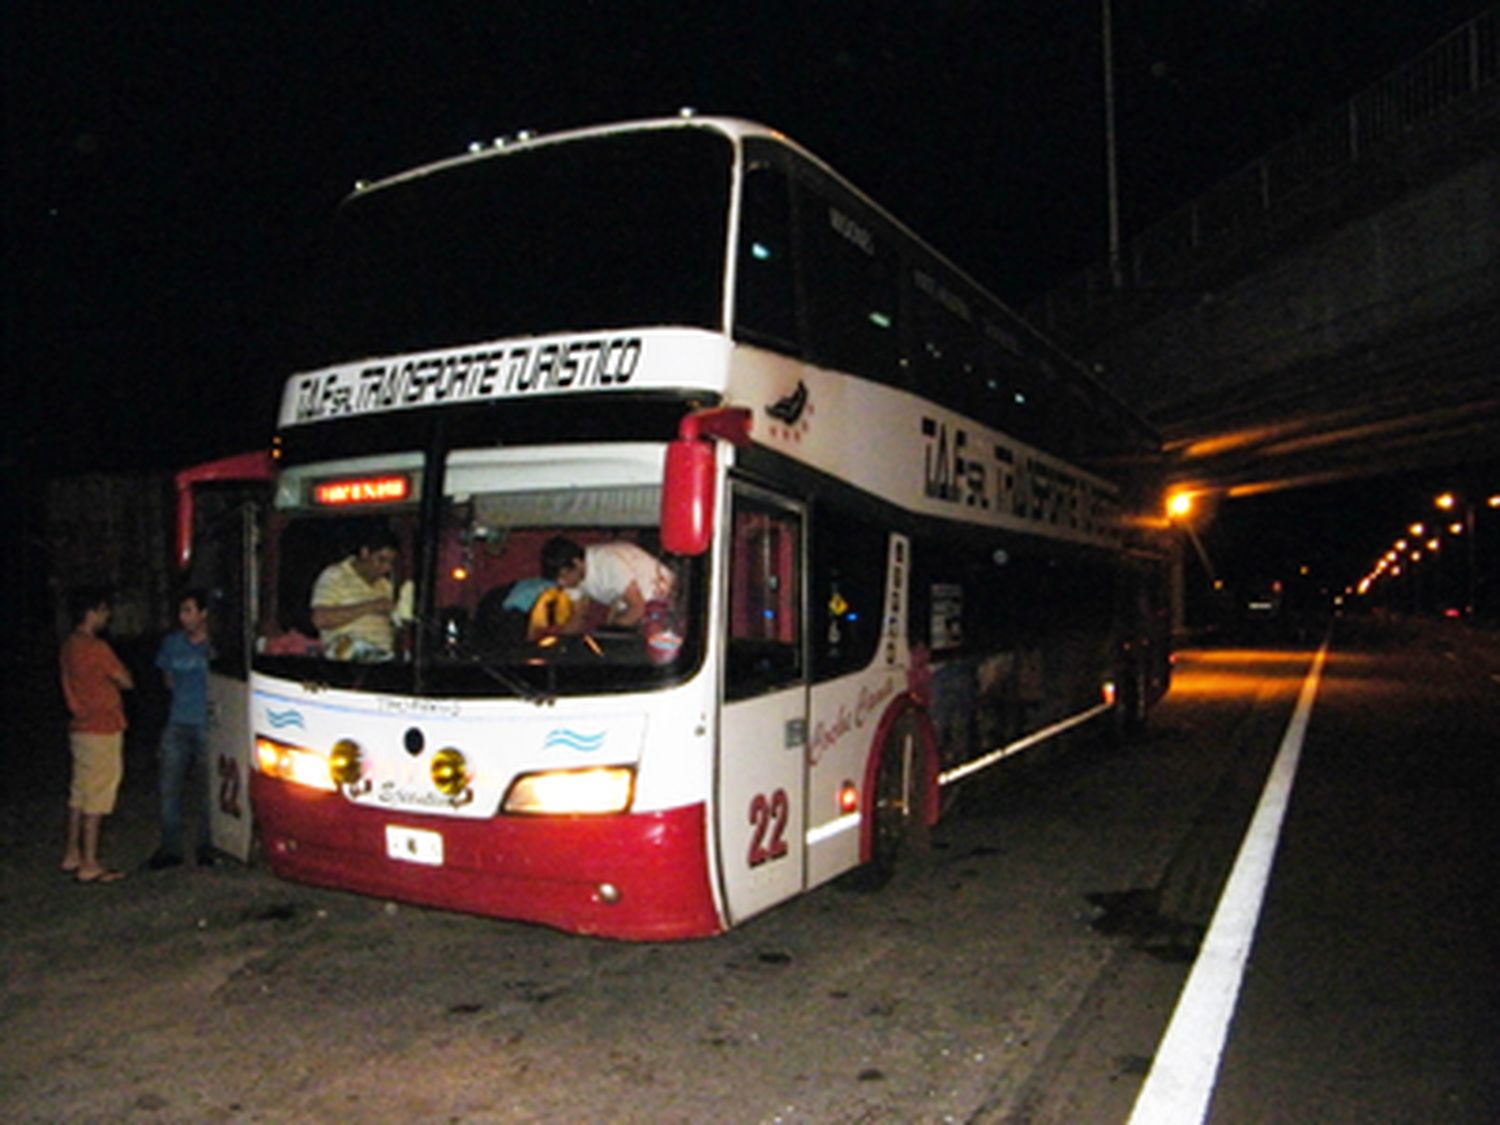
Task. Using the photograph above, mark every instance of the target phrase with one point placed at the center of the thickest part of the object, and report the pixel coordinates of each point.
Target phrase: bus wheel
(1130, 706)
(898, 826)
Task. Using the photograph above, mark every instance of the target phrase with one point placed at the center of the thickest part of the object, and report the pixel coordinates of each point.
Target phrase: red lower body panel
(552, 870)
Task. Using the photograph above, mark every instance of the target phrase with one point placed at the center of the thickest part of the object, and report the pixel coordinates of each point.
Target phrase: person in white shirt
(617, 574)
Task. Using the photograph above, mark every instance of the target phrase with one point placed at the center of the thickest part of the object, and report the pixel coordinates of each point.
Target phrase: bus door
(763, 726)
(218, 510)
(229, 738)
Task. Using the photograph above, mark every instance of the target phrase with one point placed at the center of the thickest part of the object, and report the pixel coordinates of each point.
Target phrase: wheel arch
(902, 707)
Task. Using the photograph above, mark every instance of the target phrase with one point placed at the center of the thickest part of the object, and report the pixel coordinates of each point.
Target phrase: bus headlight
(296, 764)
(603, 789)
(450, 773)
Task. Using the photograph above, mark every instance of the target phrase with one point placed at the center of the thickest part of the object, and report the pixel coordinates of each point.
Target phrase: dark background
(168, 165)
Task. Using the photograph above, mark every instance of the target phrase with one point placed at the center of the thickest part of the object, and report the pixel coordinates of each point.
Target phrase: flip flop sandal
(105, 876)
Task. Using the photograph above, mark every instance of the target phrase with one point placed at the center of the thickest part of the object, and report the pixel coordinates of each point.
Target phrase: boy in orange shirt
(92, 679)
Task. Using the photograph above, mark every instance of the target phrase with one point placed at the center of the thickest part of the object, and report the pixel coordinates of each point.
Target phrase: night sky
(168, 165)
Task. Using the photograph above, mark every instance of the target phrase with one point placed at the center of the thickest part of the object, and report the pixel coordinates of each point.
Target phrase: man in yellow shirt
(353, 601)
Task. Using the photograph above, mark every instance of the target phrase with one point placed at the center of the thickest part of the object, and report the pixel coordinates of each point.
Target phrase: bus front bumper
(641, 876)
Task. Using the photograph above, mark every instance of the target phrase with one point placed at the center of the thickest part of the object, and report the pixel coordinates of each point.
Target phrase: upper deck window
(607, 232)
(765, 289)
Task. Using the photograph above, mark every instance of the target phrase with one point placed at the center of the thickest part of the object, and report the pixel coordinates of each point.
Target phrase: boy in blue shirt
(183, 660)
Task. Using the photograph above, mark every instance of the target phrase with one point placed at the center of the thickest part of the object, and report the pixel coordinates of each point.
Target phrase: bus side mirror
(690, 481)
(687, 497)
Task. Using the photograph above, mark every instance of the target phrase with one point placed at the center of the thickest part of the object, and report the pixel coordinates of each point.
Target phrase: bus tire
(1131, 702)
(897, 804)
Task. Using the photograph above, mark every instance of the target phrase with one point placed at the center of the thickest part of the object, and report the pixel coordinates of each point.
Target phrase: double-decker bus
(886, 526)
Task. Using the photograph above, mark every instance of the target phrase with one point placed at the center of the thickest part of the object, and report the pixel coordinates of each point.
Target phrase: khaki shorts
(98, 766)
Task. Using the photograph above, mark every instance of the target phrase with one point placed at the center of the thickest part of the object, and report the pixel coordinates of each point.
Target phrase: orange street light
(1179, 504)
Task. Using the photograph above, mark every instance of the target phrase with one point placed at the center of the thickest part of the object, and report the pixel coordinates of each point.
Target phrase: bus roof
(526, 139)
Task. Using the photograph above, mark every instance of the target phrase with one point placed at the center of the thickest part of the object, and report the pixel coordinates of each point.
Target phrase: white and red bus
(897, 551)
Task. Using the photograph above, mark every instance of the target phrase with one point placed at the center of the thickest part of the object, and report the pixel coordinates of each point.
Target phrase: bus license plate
(414, 845)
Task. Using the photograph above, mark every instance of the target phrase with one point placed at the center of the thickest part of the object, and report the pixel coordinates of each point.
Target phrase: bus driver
(353, 601)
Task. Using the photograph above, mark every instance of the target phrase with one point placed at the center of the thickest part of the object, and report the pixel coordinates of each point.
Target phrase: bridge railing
(1241, 208)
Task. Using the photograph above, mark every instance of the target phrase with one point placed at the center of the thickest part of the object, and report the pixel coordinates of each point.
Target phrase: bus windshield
(600, 233)
(546, 577)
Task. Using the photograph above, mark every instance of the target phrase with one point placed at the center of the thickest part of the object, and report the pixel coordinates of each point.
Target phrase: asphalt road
(1022, 971)
(1373, 992)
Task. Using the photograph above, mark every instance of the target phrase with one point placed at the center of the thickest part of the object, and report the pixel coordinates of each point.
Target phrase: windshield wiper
(517, 685)
(445, 650)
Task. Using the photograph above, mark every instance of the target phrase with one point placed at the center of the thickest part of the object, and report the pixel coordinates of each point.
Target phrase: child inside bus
(518, 611)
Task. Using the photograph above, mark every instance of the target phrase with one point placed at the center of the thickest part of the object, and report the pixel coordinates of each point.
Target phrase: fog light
(450, 773)
(345, 763)
(607, 893)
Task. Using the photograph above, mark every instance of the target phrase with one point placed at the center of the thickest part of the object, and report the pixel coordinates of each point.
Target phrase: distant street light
(1448, 502)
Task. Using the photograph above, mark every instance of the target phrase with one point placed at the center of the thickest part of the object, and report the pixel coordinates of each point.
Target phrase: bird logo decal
(788, 409)
(791, 414)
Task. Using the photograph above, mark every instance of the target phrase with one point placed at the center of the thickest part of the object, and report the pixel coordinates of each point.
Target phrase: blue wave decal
(280, 720)
(572, 740)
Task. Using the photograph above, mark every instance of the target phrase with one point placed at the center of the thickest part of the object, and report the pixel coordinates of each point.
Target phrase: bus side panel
(847, 724)
(851, 714)
(555, 871)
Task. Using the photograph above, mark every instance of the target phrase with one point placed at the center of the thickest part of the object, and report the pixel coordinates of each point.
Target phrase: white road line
(1181, 1081)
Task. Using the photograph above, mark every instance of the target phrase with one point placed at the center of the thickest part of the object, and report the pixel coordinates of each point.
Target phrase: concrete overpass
(1331, 311)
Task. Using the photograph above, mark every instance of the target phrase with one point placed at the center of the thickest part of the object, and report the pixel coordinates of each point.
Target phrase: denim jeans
(184, 751)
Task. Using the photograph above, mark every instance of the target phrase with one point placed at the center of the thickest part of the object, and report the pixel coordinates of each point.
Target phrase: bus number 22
(768, 817)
